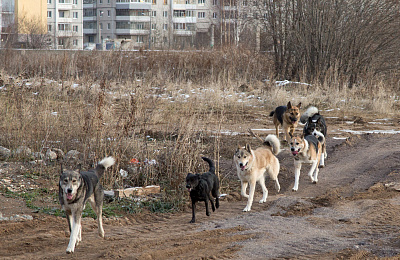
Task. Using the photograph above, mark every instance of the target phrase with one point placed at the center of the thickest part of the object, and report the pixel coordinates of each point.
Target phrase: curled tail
(103, 165)
(309, 113)
(210, 163)
(273, 141)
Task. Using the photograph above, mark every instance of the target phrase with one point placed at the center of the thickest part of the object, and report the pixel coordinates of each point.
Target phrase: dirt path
(349, 212)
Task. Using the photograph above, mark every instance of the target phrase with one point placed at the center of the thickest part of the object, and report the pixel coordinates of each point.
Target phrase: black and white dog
(200, 186)
(313, 120)
(75, 189)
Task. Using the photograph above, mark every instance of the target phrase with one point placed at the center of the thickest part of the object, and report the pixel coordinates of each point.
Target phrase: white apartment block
(65, 23)
(6, 20)
(148, 23)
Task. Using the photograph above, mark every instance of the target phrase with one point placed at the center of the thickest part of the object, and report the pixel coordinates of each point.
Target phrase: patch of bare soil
(352, 213)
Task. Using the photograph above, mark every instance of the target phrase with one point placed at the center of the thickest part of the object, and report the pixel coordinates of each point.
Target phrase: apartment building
(7, 10)
(65, 24)
(148, 23)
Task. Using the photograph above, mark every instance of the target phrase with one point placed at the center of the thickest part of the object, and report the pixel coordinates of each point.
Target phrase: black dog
(313, 120)
(200, 186)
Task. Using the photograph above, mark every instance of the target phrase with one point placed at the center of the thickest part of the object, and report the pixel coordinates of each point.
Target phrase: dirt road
(352, 212)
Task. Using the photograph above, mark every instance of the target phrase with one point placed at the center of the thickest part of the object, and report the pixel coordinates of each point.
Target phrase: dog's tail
(309, 113)
(210, 163)
(272, 113)
(103, 165)
(274, 143)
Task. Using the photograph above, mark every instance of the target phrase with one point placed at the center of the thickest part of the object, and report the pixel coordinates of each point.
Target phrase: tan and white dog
(252, 166)
(309, 150)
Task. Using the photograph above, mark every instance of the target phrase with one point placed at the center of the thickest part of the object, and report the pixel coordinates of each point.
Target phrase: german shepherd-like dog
(252, 166)
(200, 186)
(288, 116)
(75, 189)
(306, 149)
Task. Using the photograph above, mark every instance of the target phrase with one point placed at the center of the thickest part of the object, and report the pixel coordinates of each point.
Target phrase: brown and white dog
(287, 116)
(306, 149)
(309, 150)
(252, 166)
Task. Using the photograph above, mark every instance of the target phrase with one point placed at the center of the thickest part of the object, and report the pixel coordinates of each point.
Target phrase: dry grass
(166, 106)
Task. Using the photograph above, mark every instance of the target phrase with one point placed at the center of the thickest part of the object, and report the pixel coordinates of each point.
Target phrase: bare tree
(315, 39)
(32, 31)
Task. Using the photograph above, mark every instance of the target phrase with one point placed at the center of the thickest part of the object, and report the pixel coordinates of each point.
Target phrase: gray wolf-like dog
(200, 186)
(75, 189)
(252, 166)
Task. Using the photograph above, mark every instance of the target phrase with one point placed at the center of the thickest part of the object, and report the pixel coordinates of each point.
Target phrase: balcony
(146, 6)
(65, 6)
(132, 32)
(89, 18)
(184, 7)
(89, 31)
(184, 19)
(184, 33)
(133, 18)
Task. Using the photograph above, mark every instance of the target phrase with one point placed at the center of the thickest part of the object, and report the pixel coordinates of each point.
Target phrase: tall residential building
(65, 23)
(7, 10)
(149, 23)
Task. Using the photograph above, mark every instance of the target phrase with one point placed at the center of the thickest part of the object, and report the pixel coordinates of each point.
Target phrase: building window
(60, 41)
(61, 1)
(201, 14)
(49, 1)
(100, 13)
(91, 38)
(63, 27)
(108, 13)
(48, 14)
(139, 38)
(154, 2)
(165, 26)
(75, 42)
(108, 26)
(153, 13)
(165, 2)
(215, 15)
(154, 26)
(101, 26)
(75, 15)
(215, 2)
(201, 2)
(165, 14)
(179, 26)
(61, 14)
(75, 28)
(100, 1)
(49, 27)
(75, 2)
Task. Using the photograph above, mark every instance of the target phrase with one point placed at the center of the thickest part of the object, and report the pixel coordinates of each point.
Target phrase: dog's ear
(309, 120)
(61, 168)
(291, 135)
(299, 105)
(289, 105)
(318, 120)
(302, 136)
(78, 169)
(248, 148)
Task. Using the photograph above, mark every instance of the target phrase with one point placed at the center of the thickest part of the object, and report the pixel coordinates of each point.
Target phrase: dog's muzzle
(189, 187)
(69, 194)
(242, 166)
(294, 152)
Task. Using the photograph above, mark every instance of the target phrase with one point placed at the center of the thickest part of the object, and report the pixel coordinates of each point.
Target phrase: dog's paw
(322, 166)
(315, 182)
(192, 221)
(70, 250)
(294, 190)
(262, 201)
(246, 209)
